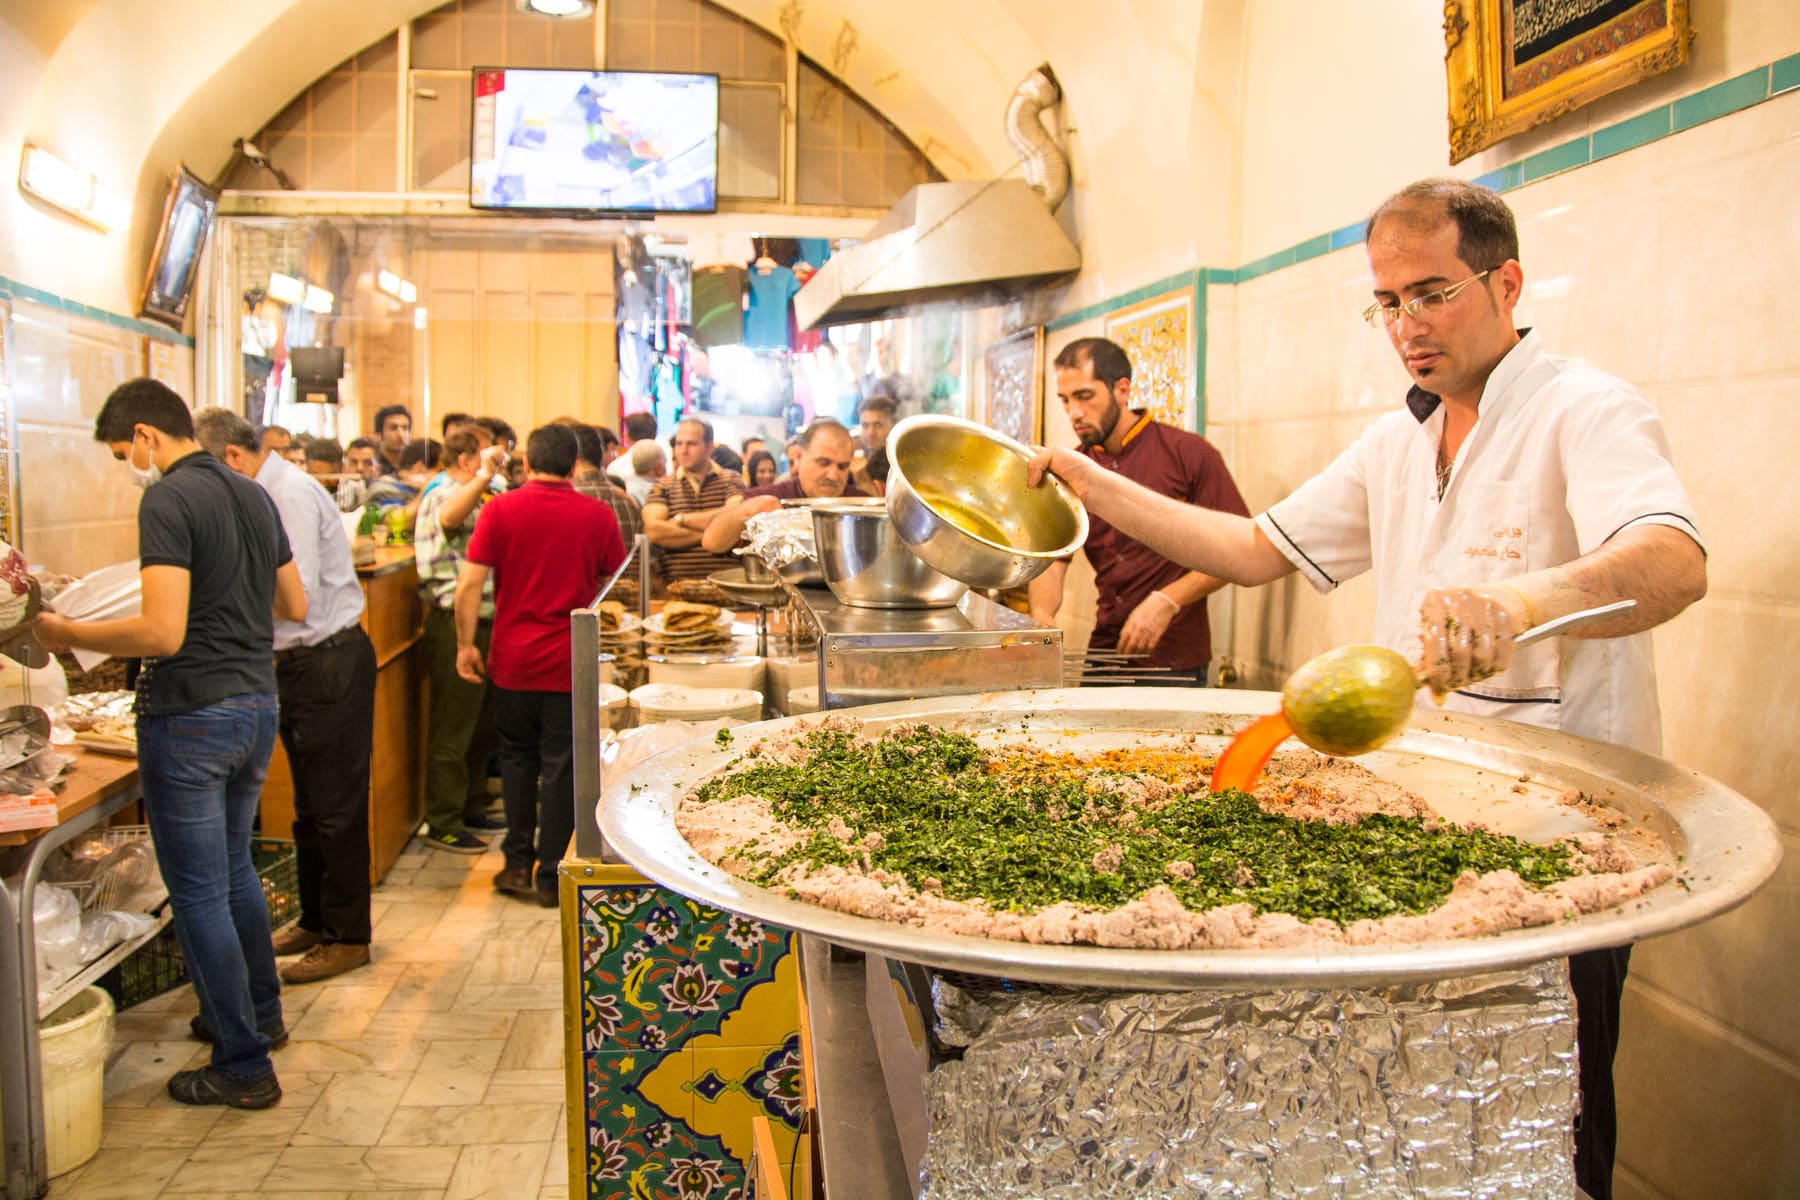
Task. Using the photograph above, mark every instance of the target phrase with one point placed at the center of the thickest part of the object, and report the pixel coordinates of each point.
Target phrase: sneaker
(208, 1085)
(325, 960)
(485, 821)
(514, 881)
(202, 1032)
(295, 940)
(547, 897)
(456, 843)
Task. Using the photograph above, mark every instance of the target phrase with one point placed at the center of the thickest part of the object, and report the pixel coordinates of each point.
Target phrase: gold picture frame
(1157, 335)
(1514, 64)
(1013, 402)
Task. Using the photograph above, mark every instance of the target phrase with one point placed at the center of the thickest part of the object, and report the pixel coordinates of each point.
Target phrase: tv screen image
(180, 238)
(594, 141)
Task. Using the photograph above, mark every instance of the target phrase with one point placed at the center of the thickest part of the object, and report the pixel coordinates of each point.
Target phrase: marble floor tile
(269, 1127)
(536, 1041)
(354, 1168)
(524, 1087)
(556, 1167)
(159, 1128)
(553, 1193)
(428, 986)
(453, 1072)
(351, 1054)
(382, 970)
(259, 1194)
(549, 970)
(495, 1172)
(181, 999)
(353, 1109)
(136, 1174)
(407, 920)
(340, 1012)
(140, 1025)
(223, 1169)
(506, 960)
(423, 1026)
(503, 996)
(419, 951)
(138, 1074)
(471, 1125)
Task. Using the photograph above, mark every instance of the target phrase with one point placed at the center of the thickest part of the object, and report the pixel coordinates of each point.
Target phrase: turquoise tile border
(1722, 99)
(1630, 134)
(1784, 74)
(24, 291)
(1555, 160)
(1115, 303)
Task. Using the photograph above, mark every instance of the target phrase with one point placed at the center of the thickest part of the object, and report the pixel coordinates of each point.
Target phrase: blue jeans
(202, 774)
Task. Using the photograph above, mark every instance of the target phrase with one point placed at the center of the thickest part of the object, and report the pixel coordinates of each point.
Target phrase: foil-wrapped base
(1459, 1088)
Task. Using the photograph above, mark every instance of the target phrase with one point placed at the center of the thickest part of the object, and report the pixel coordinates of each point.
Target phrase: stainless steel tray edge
(1728, 846)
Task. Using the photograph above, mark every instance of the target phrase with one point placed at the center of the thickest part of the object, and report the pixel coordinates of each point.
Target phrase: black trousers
(327, 727)
(1598, 980)
(537, 777)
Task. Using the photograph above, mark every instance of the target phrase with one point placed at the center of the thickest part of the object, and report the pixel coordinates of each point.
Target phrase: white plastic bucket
(76, 1039)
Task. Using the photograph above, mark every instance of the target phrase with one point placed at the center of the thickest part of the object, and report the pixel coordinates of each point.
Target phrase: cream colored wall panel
(1744, 967)
(559, 357)
(1729, 695)
(1702, 1114)
(505, 385)
(79, 547)
(1728, 439)
(453, 358)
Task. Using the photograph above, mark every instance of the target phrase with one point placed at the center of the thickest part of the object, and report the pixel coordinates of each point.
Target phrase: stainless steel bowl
(957, 495)
(867, 566)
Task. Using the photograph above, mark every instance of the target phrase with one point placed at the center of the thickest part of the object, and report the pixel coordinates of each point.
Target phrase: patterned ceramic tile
(688, 1031)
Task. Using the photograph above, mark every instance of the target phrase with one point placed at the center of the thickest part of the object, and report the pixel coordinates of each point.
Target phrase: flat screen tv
(317, 370)
(594, 141)
(175, 262)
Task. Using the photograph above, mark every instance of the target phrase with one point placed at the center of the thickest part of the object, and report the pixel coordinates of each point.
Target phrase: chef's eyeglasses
(1419, 308)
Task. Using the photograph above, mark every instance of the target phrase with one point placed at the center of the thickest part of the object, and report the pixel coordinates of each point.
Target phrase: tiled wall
(1671, 265)
(78, 510)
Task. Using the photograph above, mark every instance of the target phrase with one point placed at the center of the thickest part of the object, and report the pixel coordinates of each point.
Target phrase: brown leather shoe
(325, 960)
(294, 940)
(514, 881)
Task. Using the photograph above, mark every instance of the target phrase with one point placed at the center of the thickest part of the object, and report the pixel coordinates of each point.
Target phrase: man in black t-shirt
(215, 570)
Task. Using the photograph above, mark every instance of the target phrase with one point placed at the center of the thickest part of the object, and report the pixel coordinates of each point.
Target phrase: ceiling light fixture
(286, 288)
(318, 299)
(561, 9)
(71, 189)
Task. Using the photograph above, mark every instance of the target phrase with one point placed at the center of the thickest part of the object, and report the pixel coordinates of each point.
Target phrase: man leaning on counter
(1513, 487)
(822, 472)
(213, 563)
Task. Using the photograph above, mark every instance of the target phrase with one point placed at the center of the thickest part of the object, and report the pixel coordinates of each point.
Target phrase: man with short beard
(1149, 606)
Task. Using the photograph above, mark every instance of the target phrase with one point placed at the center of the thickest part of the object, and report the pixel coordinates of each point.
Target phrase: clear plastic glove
(1144, 628)
(1467, 635)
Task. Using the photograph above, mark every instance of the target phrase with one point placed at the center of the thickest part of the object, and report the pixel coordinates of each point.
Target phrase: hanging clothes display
(772, 291)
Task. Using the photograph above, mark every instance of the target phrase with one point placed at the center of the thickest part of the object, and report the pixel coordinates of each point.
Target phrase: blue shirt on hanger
(766, 324)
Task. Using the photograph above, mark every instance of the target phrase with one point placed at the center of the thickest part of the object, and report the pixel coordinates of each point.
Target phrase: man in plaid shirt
(461, 723)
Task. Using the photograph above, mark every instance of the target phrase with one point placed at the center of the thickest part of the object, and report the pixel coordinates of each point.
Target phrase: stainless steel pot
(957, 496)
(867, 566)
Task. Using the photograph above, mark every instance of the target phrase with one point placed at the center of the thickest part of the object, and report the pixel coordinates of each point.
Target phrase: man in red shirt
(822, 472)
(1149, 606)
(549, 549)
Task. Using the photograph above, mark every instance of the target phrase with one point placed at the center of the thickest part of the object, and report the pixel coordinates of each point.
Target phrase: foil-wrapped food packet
(1458, 1088)
(780, 537)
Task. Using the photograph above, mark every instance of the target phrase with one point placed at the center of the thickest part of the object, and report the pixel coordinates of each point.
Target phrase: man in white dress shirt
(1512, 488)
(325, 677)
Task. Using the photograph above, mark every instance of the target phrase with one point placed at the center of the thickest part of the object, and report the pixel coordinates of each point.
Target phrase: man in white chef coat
(1513, 487)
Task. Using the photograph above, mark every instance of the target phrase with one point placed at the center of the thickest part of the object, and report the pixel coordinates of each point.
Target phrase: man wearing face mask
(214, 563)
(325, 676)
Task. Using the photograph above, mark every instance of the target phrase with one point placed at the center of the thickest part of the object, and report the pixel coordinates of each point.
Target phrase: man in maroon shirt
(823, 473)
(549, 549)
(1148, 606)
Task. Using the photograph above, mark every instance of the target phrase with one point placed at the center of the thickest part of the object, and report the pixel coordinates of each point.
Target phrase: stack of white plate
(673, 702)
(714, 636)
(722, 669)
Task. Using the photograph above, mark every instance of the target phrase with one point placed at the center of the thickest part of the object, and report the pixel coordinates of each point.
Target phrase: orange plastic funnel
(1242, 761)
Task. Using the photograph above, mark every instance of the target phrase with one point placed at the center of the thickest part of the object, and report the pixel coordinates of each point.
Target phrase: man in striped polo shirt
(681, 506)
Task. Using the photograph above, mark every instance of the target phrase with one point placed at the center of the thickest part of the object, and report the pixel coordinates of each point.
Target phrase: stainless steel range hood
(960, 244)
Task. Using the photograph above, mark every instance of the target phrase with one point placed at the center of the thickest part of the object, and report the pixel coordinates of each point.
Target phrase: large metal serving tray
(1722, 845)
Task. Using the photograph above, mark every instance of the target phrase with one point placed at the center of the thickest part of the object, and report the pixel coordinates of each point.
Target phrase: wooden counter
(394, 620)
(90, 779)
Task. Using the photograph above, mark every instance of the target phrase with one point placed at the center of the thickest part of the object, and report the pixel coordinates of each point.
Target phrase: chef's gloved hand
(1144, 628)
(1468, 634)
(1074, 469)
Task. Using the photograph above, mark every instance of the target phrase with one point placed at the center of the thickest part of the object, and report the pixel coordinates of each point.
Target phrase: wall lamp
(71, 189)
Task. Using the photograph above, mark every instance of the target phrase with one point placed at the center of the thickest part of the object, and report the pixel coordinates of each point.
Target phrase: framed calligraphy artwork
(1015, 386)
(1158, 336)
(1515, 64)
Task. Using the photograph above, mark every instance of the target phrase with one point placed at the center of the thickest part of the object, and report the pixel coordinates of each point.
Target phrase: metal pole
(584, 677)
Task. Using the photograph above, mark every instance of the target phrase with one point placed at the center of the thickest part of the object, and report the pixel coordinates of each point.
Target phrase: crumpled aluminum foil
(780, 537)
(84, 710)
(1457, 1088)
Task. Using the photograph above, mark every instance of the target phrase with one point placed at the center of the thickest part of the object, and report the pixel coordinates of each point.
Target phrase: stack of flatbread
(684, 628)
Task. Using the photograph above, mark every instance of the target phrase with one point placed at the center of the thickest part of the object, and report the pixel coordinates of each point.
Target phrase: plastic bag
(102, 931)
(67, 1050)
(56, 928)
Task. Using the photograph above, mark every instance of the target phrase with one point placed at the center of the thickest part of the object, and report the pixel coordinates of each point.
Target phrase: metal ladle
(1241, 762)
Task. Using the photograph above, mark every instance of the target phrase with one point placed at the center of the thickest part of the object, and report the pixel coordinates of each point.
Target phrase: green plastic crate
(156, 967)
